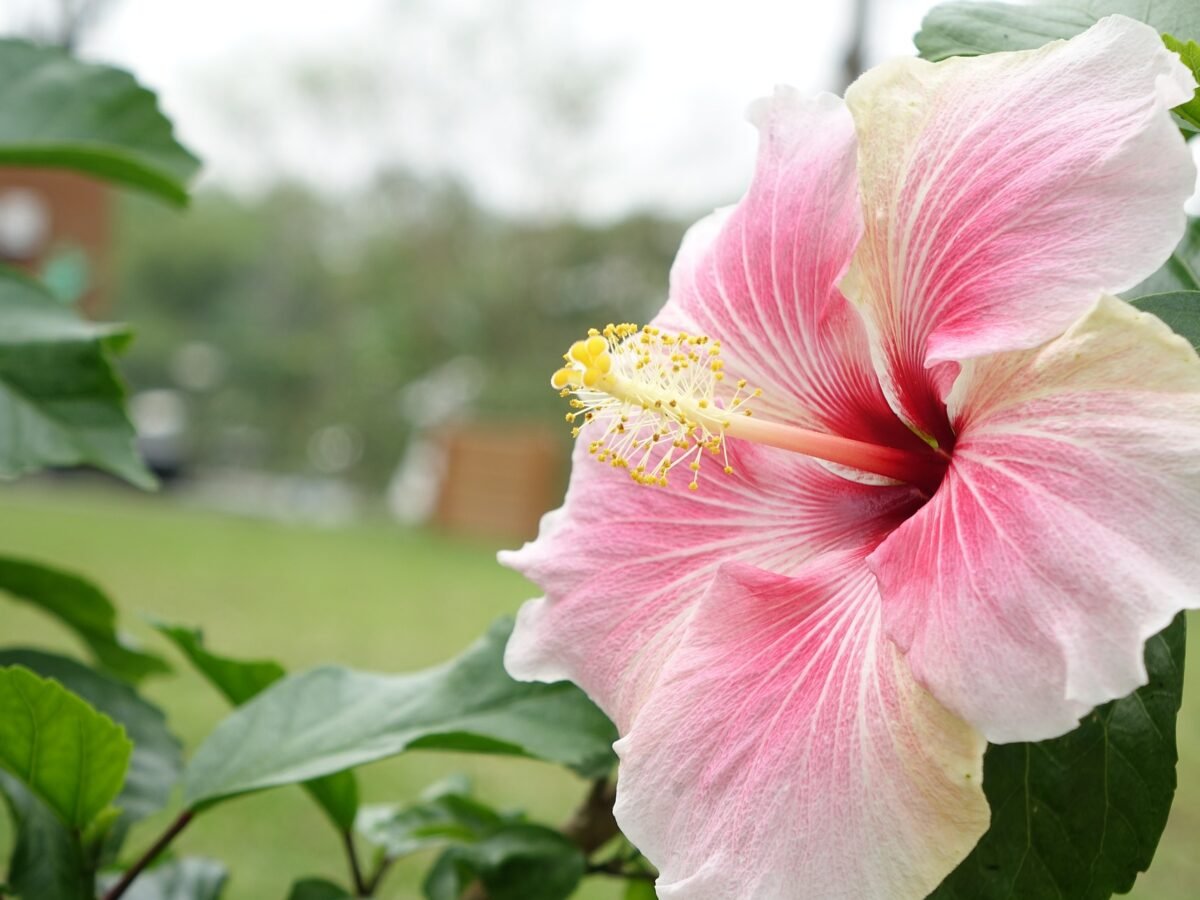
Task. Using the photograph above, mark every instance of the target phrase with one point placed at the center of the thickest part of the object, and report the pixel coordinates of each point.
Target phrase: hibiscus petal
(786, 751)
(762, 276)
(1064, 534)
(623, 566)
(1004, 193)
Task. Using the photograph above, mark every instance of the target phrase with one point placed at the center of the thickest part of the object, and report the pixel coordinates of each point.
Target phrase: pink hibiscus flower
(967, 495)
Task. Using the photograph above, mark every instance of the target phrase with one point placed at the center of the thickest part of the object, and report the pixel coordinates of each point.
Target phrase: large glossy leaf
(1179, 273)
(61, 403)
(519, 862)
(83, 608)
(973, 28)
(330, 719)
(238, 681)
(190, 878)
(71, 756)
(58, 111)
(1179, 309)
(157, 759)
(1080, 816)
(47, 861)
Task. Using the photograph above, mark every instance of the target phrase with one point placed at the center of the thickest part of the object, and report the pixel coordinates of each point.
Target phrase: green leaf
(191, 878)
(318, 889)
(61, 403)
(520, 862)
(972, 29)
(1080, 816)
(83, 608)
(157, 760)
(69, 755)
(58, 111)
(1179, 309)
(47, 861)
(330, 719)
(445, 813)
(640, 890)
(1189, 52)
(1181, 272)
(238, 681)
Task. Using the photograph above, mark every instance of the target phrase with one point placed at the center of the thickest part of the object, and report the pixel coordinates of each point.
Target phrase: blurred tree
(854, 61)
(63, 23)
(323, 313)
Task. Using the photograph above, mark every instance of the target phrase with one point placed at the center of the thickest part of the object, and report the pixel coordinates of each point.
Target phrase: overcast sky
(653, 91)
(595, 105)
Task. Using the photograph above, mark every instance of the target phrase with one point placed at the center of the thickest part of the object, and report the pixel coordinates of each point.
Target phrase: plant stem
(593, 825)
(361, 887)
(377, 876)
(118, 889)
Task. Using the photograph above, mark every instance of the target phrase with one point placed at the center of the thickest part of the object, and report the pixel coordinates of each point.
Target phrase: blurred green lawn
(372, 596)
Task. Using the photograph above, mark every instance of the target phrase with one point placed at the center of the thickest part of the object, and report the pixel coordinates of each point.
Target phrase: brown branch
(376, 877)
(118, 889)
(593, 824)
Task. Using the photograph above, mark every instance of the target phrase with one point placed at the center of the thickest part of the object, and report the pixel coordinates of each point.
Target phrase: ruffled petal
(1004, 193)
(787, 753)
(1064, 534)
(623, 566)
(762, 276)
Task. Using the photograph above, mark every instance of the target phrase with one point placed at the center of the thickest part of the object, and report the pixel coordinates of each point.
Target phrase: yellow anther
(579, 352)
(650, 400)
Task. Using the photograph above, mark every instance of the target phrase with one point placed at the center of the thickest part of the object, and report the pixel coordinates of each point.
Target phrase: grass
(373, 596)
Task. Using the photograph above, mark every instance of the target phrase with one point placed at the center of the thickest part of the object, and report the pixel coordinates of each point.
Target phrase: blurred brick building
(57, 225)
